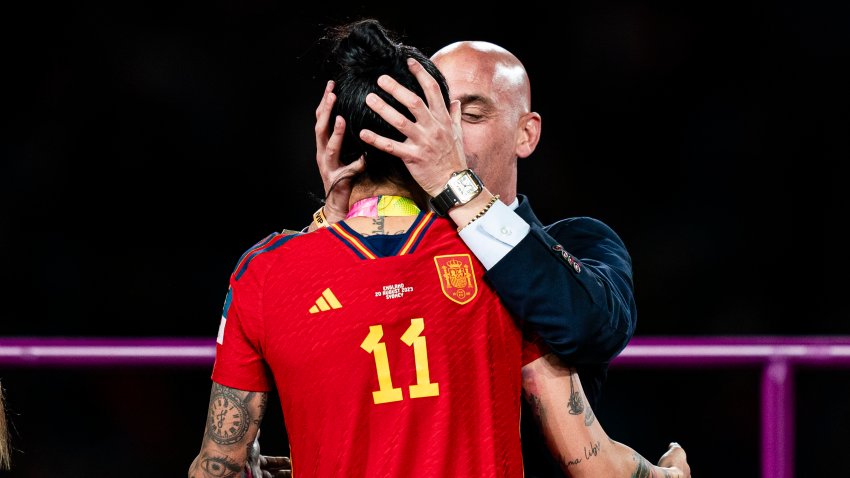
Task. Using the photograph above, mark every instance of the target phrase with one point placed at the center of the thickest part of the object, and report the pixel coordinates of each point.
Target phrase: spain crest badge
(457, 277)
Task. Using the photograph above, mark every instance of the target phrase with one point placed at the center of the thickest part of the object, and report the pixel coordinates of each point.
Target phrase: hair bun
(363, 46)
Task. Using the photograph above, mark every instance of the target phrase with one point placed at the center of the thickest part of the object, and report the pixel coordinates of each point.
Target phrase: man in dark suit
(571, 280)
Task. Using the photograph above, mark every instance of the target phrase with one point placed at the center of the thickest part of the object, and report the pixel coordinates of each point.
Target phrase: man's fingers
(430, 86)
(455, 112)
(387, 145)
(409, 99)
(389, 114)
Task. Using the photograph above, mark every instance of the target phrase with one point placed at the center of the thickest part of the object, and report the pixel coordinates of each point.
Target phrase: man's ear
(528, 135)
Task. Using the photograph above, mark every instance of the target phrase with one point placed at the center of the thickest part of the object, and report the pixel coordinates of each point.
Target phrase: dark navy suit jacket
(572, 282)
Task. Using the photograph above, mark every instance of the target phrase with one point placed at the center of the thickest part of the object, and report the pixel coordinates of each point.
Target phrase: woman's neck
(381, 225)
(365, 189)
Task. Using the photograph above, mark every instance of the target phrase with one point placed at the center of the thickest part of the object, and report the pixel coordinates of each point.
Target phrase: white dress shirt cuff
(494, 234)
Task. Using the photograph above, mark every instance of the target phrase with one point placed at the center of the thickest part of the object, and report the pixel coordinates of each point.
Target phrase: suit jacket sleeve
(572, 282)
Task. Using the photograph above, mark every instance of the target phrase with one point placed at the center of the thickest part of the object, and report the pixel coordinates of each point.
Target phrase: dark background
(146, 146)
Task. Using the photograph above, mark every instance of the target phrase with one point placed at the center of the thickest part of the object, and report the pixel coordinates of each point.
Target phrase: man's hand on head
(433, 149)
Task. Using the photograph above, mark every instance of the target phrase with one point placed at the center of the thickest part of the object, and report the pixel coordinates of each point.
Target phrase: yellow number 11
(386, 392)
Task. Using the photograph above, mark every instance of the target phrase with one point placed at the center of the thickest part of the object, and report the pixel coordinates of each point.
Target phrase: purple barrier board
(776, 356)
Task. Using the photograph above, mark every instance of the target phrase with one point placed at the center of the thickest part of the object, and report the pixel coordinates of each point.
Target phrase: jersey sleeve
(239, 360)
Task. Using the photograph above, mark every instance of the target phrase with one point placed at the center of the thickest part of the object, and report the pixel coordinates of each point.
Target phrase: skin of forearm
(233, 420)
(573, 434)
(565, 418)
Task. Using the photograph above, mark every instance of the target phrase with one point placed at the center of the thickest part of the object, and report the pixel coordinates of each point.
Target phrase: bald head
(496, 118)
(487, 61)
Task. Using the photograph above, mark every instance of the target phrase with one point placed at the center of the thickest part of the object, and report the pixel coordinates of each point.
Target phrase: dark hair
(361, 52)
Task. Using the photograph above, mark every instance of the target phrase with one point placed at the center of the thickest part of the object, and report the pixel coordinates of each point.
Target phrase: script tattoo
(576, 403)
(379, 229)
(378, 222)
(228, 418)
(588, 454)
(593, 451)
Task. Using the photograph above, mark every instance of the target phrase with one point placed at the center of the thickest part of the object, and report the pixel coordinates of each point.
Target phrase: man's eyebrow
(468, 99)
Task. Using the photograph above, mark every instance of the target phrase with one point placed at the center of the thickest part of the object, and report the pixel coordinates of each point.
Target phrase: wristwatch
(462, 187)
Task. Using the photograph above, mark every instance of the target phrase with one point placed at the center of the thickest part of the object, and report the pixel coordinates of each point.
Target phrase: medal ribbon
(383, 206)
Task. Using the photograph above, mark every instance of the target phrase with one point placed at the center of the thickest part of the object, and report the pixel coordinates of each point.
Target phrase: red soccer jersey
(397, 366)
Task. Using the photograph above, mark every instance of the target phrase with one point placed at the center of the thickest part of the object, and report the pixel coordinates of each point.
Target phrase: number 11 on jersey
(386, 392)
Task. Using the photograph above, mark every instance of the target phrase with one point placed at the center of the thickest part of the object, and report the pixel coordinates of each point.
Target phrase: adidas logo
(327, 301)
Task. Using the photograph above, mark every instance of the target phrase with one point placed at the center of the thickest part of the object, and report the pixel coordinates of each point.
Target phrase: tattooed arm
(233, 420)
(574, 435)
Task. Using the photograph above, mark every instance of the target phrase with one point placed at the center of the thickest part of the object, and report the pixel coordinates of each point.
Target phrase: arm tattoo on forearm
(228, 418)
(588, 454)
(645, 470)
(576, 403)
(264, 400)
(540, 413)
(219, 467)
(589, 417)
